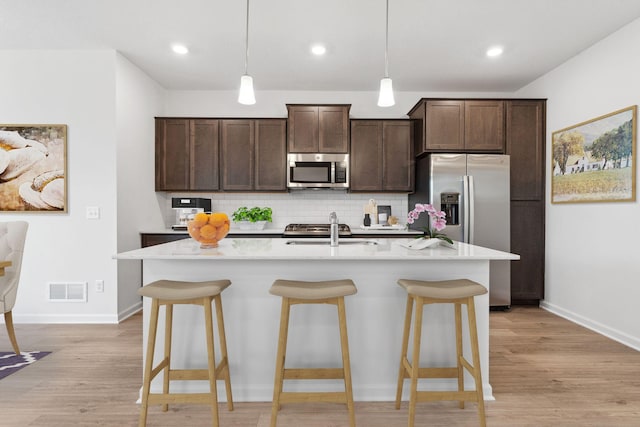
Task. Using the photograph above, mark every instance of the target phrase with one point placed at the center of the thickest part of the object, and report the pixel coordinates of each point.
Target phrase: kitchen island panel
(374, 317)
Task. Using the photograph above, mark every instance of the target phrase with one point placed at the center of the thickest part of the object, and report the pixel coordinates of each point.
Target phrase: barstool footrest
(313, 374)
(155, 371)
(198, 374)
(429, 396)
(303, 397)
(161, 398)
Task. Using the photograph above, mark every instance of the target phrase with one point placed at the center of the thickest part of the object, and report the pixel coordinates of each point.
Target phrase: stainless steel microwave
(317, 170)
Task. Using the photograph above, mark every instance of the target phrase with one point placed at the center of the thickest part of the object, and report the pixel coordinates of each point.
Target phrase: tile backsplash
(305, 206)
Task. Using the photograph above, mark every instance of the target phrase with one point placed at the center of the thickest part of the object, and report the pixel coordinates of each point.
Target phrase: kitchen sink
(327, 242)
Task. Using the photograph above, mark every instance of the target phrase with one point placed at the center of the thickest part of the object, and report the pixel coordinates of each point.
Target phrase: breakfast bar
(375, 313)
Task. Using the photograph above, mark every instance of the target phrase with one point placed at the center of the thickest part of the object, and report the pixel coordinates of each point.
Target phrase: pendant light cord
(386, 44)
(246, 42)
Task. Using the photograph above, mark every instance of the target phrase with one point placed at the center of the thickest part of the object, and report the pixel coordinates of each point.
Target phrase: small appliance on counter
(186, 208)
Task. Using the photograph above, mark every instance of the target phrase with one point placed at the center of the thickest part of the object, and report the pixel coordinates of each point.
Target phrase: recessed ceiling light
(180, 49)
(494, 51)
(318, 49)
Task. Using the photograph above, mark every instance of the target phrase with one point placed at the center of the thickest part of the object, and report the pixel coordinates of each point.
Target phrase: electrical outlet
(93, 212)
(99, 285)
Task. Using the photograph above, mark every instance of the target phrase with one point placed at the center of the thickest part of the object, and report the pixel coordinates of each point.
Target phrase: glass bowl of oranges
(208, 229)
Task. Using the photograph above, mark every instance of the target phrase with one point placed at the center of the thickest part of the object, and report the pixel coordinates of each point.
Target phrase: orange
(194, 232)
(200, 219)
(208, 231)
(218, 218)
(222, 231)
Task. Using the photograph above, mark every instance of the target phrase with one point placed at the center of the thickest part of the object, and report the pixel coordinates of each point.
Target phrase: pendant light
(386, 89)
(246, 95)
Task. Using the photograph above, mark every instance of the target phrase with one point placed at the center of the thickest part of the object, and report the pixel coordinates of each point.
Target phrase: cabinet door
(418, 117)
(366, 155)
(527, 240)
(444, 125)
(204, 155)
(333, 126)
(153, 239)
(484, 125)
(397, 158)
(302, 128)
(172, 155)
(270, 155)
(525, 135)
(237, 155)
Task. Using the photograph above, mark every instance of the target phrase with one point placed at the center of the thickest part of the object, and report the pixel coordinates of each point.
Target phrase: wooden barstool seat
(457, 292)
(170, 293)
(300, 292)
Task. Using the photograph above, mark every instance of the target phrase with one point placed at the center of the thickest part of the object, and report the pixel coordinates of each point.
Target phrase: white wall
(138, 100)
(592, 257)
(272, 104)
(75, 88)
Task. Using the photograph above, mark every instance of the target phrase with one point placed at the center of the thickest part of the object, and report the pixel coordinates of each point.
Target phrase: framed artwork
(33, 168)
(594, 161)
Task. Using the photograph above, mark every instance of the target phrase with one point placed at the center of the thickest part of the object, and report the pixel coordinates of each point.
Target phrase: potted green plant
(254, 218)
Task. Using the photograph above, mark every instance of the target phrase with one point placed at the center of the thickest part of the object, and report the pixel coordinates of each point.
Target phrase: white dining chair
(12, 237)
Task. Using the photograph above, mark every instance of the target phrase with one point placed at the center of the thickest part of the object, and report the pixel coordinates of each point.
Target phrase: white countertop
(278, 249)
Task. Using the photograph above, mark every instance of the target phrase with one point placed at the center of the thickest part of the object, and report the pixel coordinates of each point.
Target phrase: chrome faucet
(333, 220)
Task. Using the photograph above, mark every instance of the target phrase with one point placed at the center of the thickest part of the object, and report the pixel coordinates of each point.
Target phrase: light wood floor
(545, 371)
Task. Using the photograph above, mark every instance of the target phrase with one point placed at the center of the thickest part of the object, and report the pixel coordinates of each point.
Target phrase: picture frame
(595, 161)
(33, 168)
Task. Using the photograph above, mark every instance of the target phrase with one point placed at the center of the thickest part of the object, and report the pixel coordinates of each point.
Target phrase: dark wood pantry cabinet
(525, 143)
(253, 155)
(382, 155)
(456, 125)
(318, 128)
(186, 157)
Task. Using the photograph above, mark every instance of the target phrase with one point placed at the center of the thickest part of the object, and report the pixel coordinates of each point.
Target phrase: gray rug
(11, 362)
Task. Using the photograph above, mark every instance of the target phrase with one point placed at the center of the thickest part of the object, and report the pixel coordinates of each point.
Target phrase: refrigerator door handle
(465, 209)
(472, 202)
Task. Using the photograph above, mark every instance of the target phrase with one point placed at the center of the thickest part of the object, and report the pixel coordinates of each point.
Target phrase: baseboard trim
(614, 334)
(125, 314)
(264, 393)
(66, 318)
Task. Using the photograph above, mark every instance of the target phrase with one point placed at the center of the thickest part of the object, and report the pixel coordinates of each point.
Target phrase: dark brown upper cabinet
(525, 130)
(253, 155)
(458, 125)
(271, 155)
(318, 128)
(382, 155)
(186, 157)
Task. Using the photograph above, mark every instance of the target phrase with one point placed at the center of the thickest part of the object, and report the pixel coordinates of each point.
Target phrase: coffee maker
(185, 209)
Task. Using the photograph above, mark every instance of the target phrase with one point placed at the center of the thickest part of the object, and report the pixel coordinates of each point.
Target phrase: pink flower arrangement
(435, 223)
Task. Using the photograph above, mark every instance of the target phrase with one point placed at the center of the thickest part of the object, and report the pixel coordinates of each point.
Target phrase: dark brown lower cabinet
(152, 239)
(527, 240)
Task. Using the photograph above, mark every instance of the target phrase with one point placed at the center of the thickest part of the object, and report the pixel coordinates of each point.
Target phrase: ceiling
(434, 45)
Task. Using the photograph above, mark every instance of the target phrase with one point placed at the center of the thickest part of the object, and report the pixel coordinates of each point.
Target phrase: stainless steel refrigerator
(473, 190)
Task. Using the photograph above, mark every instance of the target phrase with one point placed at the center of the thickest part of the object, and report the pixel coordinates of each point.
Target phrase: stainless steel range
(315, 230)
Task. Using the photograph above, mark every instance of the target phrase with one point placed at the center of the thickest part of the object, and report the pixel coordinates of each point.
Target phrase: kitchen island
(374, 315)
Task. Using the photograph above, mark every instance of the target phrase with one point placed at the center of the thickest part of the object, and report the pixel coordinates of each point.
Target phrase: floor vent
(68, 292)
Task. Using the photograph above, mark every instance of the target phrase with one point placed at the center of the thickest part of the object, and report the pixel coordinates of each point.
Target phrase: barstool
(298, 292)
(169, 293)
(457, 292)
